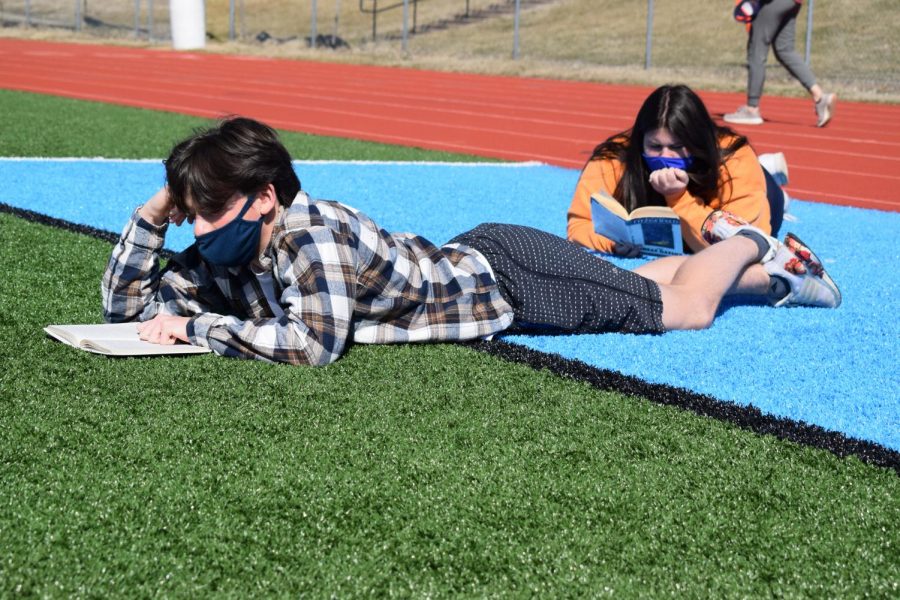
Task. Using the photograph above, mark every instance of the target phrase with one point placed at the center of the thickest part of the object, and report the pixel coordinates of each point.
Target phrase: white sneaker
(825, 109)
(721, 225)
(776, 165)
(744, 116)
(809, 284)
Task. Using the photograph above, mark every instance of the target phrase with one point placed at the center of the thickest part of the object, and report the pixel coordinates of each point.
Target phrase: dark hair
(238, 156)
(680, 110)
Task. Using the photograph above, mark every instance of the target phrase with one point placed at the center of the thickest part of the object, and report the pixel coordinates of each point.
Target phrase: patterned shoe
(803, 271)
(721, 225)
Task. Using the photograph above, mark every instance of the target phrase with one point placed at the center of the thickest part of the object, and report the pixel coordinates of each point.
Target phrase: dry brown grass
(855, 45)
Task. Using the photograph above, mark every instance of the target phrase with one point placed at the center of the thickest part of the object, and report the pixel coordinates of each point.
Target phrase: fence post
(77, 15)
(648, 50)
(809, 25)
(242, 34)
(516, 32)
(137, 19)
(231, 20)
(405, 44)
(28, 13)
(150, 21)
(313, 23)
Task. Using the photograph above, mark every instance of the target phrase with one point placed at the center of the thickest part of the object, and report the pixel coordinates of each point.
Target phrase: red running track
(854, 161)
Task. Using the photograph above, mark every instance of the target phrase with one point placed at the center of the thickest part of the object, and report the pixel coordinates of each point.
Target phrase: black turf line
(36, 217)
(746, 417)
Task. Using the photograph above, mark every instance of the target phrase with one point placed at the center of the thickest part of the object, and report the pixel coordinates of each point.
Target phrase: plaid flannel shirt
(329, 275)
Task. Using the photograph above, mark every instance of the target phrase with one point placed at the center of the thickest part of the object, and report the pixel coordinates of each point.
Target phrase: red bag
(745, 10)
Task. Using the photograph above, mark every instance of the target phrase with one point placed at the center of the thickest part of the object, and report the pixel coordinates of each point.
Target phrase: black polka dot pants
(555, 286)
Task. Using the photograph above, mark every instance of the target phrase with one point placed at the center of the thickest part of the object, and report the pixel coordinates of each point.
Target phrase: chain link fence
(853, 42)
(140, 19)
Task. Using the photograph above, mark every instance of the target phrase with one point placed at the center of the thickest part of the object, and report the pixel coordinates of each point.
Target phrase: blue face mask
(234, 244)
(655, 163)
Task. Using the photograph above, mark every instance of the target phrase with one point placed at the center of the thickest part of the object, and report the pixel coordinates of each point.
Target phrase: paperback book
(656, 229)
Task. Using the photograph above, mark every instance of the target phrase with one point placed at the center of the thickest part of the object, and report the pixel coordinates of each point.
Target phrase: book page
(656, 212)
(138, 348)
(75, 334)
(118, 339)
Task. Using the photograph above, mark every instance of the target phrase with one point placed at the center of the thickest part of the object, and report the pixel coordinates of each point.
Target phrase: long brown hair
(678, 109)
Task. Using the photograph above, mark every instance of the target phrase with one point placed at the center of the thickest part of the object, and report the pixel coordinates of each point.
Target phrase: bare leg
(753, 281)
(692, 297)
(816, 92)
(661, 270)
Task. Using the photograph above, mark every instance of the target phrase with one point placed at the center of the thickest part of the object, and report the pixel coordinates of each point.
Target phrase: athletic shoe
(776, 165)
(721, 225)
(743, 116)
(809, 284)
(825, 109)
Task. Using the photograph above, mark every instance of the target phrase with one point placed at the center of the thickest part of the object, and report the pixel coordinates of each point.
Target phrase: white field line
(101, 159)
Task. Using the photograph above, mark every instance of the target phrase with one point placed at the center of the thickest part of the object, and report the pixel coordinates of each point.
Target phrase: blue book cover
(656, 229)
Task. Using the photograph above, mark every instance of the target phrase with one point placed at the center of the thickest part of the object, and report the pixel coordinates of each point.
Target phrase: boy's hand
(671, 183)
(160, 209)
(164, 329)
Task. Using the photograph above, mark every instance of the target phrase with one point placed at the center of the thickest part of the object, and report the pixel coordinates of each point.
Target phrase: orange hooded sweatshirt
(742, 191)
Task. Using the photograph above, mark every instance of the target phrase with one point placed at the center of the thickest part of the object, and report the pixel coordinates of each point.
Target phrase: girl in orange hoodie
(675, 155)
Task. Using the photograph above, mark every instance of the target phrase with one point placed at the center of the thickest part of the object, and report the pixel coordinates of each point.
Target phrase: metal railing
(150, 19)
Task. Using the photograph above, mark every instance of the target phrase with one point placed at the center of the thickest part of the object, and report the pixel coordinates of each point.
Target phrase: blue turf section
(834, 368)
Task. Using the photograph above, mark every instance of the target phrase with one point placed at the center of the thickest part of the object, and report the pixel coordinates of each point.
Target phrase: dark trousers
(555, 286)
(776, 202)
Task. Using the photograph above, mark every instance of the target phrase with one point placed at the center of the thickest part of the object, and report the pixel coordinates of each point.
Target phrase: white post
(188, 19)
(516, 32)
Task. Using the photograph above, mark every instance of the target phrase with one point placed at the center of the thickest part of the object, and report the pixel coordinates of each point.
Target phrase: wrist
(673, 198)
(154, 216)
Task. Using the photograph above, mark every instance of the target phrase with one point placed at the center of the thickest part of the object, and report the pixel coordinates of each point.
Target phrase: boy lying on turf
(276, 275)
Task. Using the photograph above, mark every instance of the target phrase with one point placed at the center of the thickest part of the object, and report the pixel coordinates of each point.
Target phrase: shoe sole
(812, 263)
(744, 121)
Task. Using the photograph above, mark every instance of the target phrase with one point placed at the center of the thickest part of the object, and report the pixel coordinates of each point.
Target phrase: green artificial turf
(36, 125)
(423, 470)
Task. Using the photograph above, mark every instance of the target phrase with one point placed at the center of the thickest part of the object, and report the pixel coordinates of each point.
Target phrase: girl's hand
(671, 183)
(626, 250)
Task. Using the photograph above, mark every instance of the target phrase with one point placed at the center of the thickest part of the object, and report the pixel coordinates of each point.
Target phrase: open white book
(115, 339)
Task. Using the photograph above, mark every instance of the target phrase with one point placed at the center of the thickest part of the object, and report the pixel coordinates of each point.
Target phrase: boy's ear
(267, 199)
